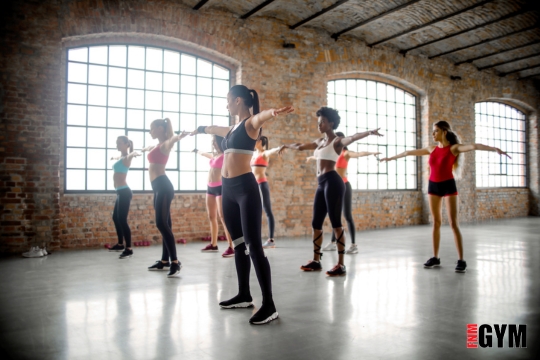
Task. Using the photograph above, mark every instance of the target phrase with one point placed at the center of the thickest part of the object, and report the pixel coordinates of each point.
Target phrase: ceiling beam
(483, 42)
(522, 69)
(257, 8)
(323, 11)
(498, 52)
(367, 21)
(418, 27)
(508, 16)
(508, 61)
(529, 76)
(200, 4)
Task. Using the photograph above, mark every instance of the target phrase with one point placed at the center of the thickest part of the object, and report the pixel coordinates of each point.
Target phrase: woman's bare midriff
(119, 179)
(259, 171)
(214, 175)
(325, 166)
(155, 171)
(235, 165)
(342, 172)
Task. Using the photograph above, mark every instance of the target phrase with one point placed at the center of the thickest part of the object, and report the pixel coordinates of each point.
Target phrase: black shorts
(443, 188)
(214, 190)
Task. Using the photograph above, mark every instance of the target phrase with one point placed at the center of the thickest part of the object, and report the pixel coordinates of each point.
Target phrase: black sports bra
(238, 140)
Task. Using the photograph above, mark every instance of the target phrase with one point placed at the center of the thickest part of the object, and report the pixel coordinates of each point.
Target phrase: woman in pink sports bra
(214, 205)
(259, 163)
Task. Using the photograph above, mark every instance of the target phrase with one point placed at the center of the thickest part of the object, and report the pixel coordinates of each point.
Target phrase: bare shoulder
(431, 148)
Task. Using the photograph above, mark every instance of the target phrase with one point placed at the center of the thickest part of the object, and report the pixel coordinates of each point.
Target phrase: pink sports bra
(217, 162)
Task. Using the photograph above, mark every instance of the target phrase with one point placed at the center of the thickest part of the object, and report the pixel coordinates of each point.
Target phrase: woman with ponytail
(242, 208)
(444, 163)
(214, 207)
(158, 155)
(123, 196)
(259, 163)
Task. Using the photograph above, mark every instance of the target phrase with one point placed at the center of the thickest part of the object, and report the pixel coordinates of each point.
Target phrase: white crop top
(327, 152)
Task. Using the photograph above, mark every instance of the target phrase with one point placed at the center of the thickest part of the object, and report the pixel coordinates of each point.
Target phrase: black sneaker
(432, 262)
(312, 265)
(237, 302)
(160, 266)
(265, 314)
(117, 247)
(461, 266)
(126, 254)
(338, 270)
(175, 269)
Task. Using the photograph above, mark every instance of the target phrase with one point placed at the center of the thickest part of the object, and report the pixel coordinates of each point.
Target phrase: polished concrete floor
(90, 305)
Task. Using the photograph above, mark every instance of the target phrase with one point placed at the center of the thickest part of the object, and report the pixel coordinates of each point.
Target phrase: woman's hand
(386, 159)
(281, 150)
(375, 132)
(283, 110)
(500, 152)
(182, 135)
(309, 158)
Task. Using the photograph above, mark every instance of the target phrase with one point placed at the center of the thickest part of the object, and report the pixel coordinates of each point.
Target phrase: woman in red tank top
(443, 161)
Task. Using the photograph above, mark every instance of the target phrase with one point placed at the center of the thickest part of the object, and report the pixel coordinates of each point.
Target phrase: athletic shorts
(443, 188)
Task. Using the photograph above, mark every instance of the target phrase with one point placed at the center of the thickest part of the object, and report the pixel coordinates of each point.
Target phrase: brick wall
(32, 70)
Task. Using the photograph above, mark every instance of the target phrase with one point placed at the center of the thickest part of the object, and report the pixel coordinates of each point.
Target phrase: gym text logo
(483, 335)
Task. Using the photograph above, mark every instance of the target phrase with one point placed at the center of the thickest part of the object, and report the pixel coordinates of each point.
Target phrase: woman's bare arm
(417, 152)
(462, 148)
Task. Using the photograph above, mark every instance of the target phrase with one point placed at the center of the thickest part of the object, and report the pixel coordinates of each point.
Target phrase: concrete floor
(89, 305)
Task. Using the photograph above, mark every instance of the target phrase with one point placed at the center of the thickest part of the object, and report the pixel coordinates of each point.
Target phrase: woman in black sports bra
(242, 208)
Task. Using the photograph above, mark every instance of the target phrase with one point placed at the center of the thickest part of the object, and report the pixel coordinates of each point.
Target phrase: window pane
(154, 59)
(135, 99)
(135, 119)
(97, 116)
(136, 79)
(75, 158)
(204, 86)
(76, 136)
(75, 180)
(221, 73)
(171, 102)
(96, 158)
(117, 118)
(96, 138)
(97, 95)
(77, 72)
(117, 77)
(153, 81)
(98, 55)
(95, 179)
(187, 84)
(79, 54)
(187, 103)
(117, 97)
(171, 62)
(117, 55)
(136, 57)
(171, 83)
(97, 75)
(76, 94)
(154, 100)
(76, 115)
(188, 65)
(204, 68)
(204, 104)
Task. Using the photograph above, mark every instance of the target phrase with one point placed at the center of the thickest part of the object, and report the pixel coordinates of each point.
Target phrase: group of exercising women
(238, 191)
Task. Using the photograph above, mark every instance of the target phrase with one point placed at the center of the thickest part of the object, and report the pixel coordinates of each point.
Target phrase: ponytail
(264, 142)
(249, 96)
(167, 126)
(126, 140)
(453, 139)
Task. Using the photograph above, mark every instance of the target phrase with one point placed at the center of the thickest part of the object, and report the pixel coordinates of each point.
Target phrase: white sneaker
(45, 253)
(33, 253)
(331, 246)
(353, 249)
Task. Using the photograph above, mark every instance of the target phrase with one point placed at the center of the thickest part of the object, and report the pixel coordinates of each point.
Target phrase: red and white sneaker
(210, 248)
(228, 253)
(338, 270)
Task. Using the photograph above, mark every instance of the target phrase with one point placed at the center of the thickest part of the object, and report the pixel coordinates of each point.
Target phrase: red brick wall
(32, 70)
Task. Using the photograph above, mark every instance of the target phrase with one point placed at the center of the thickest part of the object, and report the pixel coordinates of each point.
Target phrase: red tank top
(441, 161)
(259, 161)
(156, 156)
(342, 162)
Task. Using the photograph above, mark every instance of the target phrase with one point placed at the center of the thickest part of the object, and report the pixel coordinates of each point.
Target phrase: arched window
(117, 90)
(501, 126)
(366, 105)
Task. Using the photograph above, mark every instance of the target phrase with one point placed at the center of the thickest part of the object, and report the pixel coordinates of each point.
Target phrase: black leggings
(328, 200)
(120, 215)
(347, 212)
(242, 212)
(267, 205)
(163, 196)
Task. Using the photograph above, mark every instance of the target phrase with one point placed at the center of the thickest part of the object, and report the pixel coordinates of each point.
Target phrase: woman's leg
(267, 205)
(347, 211)
(116, 220)
(452, 209)
(163, 219)
(233, 222)
(334, 191)
(435, 206)
(124, 202)
(219, 201)
(319, 214)
(211, 210)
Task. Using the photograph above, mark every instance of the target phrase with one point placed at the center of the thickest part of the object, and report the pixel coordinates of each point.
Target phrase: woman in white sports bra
(329, 194)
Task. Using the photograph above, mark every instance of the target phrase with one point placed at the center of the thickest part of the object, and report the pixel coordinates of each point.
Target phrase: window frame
(506, 161)
(126, 108)
(417, 140)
